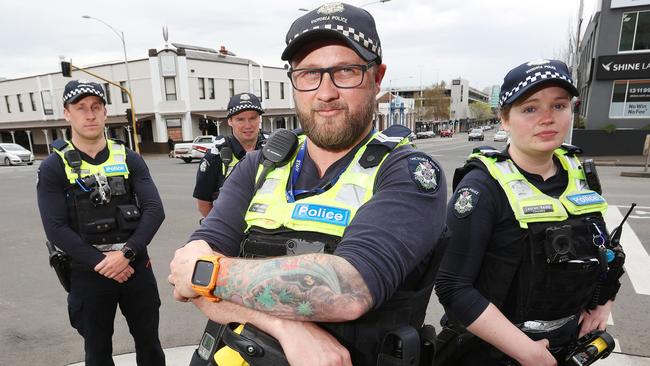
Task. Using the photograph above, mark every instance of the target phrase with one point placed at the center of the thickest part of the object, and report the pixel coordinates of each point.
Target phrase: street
(33, 311)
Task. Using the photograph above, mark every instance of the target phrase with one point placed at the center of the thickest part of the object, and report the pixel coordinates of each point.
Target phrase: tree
(481, 111)
(434, 104)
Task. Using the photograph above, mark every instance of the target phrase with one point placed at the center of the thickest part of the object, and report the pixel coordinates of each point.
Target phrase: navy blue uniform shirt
(52, 182)
(489, 228)
(390, 236)
(210, 177)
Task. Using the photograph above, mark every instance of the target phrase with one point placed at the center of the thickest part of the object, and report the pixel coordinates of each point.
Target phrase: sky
(423, 41)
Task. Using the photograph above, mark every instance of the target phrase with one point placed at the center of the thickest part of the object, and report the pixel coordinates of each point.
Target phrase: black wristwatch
(128, 253)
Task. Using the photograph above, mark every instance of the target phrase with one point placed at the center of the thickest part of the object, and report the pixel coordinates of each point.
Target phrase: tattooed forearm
(313, 287)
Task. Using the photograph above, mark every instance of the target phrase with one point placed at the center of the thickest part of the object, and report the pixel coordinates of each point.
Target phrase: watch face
(202, 273)
(128, 253)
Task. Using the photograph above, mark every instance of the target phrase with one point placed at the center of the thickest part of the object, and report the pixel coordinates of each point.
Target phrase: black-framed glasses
(344, 76)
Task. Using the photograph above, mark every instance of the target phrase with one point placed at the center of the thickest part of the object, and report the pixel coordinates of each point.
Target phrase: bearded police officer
(244, 111)
(360, 210)
(530, 266)
(100, 206)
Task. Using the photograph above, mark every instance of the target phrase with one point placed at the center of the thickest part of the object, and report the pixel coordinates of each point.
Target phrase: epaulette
(571, 150)
(59, 144)
(382, 144)
(490, 152)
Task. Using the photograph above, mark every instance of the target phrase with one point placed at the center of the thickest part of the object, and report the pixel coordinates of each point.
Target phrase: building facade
(176, 90)
(613, 78)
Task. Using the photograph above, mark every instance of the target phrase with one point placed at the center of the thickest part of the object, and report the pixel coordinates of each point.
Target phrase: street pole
(120, 35)
(574, 68)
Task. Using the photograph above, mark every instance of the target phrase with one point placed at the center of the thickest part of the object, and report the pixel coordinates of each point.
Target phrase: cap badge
(245, 97)
(331, 8)
(538, 62)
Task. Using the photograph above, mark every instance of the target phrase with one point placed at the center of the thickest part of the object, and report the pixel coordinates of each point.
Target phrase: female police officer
(527, 263)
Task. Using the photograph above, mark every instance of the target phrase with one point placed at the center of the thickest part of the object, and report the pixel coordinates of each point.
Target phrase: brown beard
(323, 133)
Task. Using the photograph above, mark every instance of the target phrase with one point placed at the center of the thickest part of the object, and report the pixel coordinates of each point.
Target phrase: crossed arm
(304, 287)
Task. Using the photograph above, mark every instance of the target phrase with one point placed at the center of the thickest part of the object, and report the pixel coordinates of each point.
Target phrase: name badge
(117, 168)
(326, 214)
(583, 199)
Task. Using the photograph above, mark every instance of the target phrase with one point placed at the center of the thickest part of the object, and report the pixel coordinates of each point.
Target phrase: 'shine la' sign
(635, 66)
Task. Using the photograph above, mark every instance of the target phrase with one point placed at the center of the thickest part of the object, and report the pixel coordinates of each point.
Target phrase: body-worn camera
(558, 245)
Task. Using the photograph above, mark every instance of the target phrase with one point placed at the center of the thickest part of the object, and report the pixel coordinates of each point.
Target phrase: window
(211, 88)
(630, 98)
(201, 88)
(266, 90)
(125, 97)
(174, 129)
(231, 87)
(635, 31)
(281, 90)
(170, 88)
(32, 101)
(20, 103)
(107, 92)
(46, 97)
(8, 105)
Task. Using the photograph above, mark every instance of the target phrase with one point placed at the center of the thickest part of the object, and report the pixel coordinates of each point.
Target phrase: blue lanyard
(295, 174)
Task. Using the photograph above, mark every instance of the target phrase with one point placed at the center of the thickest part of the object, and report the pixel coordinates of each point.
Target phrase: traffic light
(129, 116)
(576, 106)
(66, 69)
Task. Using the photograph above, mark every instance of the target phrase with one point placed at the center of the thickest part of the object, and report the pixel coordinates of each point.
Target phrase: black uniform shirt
(52, 182)
(389, 237)
(209, 176)
(488, 229)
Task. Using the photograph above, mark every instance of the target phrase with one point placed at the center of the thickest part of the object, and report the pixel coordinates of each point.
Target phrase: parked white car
(501, 136)
(196, 149)
(14, 154)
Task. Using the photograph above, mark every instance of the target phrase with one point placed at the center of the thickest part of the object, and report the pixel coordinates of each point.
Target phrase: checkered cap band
(349, 32)
(244, 107)
(82, 90)
(531, 79)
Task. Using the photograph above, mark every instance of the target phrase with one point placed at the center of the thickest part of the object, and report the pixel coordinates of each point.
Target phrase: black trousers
(92, 302)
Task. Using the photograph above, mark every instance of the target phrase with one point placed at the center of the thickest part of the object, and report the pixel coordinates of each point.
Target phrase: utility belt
(249, 345)
(456, 342)
(62, 264)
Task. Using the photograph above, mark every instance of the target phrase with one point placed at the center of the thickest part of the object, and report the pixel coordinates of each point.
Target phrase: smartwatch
(204, 277)
(128, 253)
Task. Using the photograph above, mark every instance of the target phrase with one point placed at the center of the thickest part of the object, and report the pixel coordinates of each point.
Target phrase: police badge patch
(204, 166)
(466, 200)
(424, 172)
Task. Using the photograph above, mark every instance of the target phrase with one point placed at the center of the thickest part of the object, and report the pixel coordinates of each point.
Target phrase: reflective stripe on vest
(227, 169)
(329, 212)
(114, 166)
(529, 204)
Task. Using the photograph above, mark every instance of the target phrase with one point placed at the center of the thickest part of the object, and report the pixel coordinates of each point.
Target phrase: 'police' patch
(466, 201)
(320, 213)
(116, 168)
(583, 199)
(204, 165)
(424, 172)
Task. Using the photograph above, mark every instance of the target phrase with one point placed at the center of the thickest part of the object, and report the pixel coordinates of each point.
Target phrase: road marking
(610, 320)
(617, 347)
(637, 259)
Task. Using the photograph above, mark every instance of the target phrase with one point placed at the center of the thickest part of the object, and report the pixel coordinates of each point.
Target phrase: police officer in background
(530, 267)
(360, 210)
(100, 206)
(244, 117)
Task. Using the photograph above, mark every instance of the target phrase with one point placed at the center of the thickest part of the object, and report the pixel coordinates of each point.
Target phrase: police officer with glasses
(530, 267)
(100, 208)
(342, 232)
